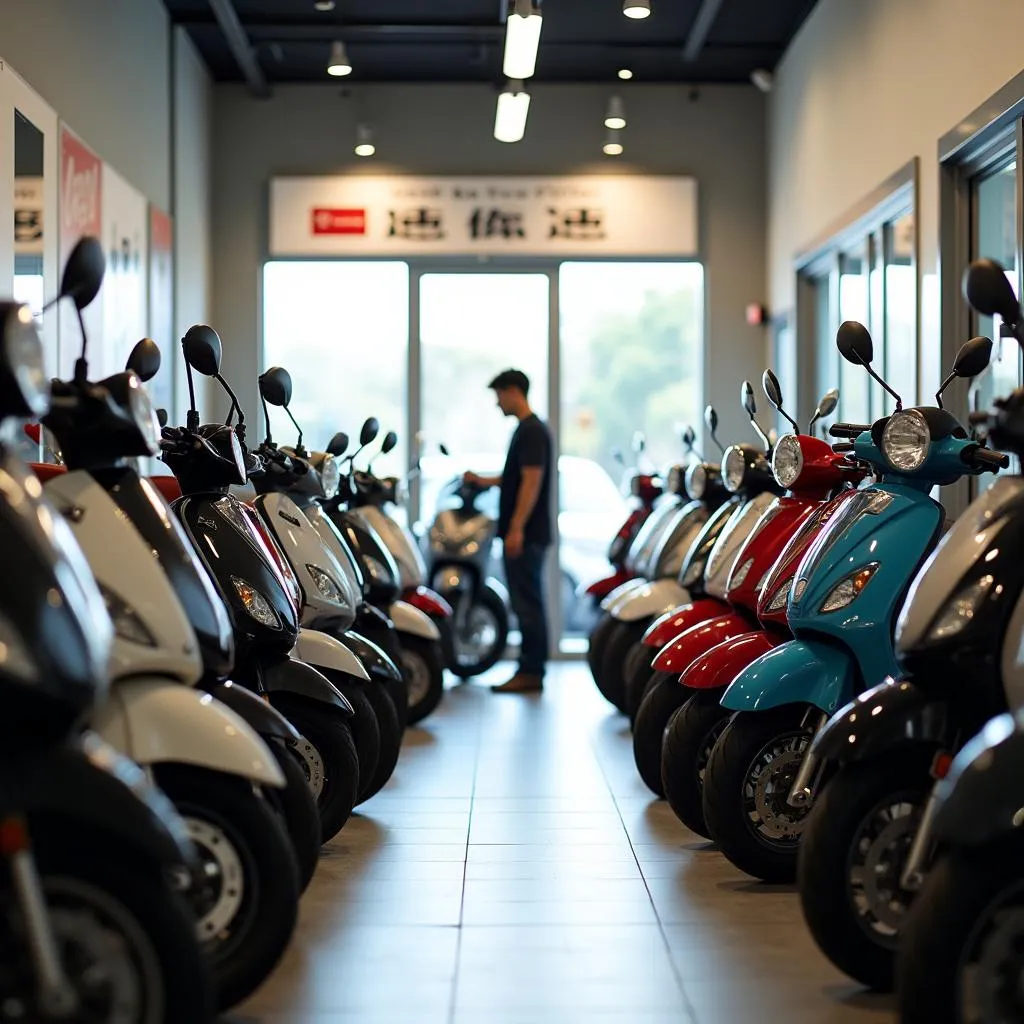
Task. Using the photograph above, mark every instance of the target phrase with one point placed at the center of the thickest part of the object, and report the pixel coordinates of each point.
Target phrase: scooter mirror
(338, 444)
(973, 357)
(639, 442)
(689, 437)
(276, 386)
(144, 359)
(370, 430)
(770, 383)
(390, 440)
(711, 418)
(202, 348)
(747, 398)
(987, 290)
(854, 343)
(83, 272)
(828, 403)
(443, 449)
(161, 416)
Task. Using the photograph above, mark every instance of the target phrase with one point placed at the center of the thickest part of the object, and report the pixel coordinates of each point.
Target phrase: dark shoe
(521, 682)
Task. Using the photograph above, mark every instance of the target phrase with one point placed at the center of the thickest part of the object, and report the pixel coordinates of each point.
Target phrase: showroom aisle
(515, 872)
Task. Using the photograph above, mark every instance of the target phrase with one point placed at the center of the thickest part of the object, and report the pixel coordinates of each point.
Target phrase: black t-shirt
(530, 447)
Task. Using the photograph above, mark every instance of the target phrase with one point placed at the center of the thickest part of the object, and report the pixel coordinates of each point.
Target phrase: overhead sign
(400, 216)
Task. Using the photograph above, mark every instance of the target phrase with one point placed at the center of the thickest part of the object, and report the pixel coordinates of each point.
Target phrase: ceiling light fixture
(510, 116)
(636, 9)
(616, 115)
(522, 39)
(625, 74)
(339, 64)
(763, 79)
(612, 145)
(364, 141)
(324, 5)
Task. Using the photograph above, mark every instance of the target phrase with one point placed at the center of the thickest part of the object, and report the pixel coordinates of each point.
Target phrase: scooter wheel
(488, 602)
(365, 728)
(390, 739)
(297, 806)
(689, 739)
(853, 853)
(638, 673)
(247, 906)
(596, 645)
(959, 954)
(663, 698)
(422, 666)
(621, 639)
(333, 756)
(128, 920)
(746, 788)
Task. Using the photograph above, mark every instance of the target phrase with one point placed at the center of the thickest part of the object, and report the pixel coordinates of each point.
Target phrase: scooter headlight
(739, 574)
(959, 612)
(905, 440)
(330, 476)
(376, 569)
(127, 624)
(676, 483)
(696, 481)
(787, 460)
(255, 603)
(735, 468)
(694, 571)
(849, 589)
(781, 596)
(329, 589)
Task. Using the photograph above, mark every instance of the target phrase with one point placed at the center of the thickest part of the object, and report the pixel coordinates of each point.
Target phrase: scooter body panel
(650, 600)
(291, 676)
(412, 567)
(154, 721)
(258, 714)
(412, 621)
(649, 536)
(731, 540)
(324, 651)
(621, 592)
(796, 672)
(716, 668)
(666, 559)
(665, 628)
(601, 588)
(676, 656)
(125, 566)
(335, 541)
(428, 601)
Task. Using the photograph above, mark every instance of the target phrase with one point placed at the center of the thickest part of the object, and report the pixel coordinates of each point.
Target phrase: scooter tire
(596, 646)
(689, 739)
(221, 809)
(329, 733)
(160, 925)
(638, 674)
(620, 640)
(365, 728)
(496, 606)
(726, 781)
(656, 710)
(297, 806)
(834, 832)
(390, 739)
(429, 669)
(398, 691)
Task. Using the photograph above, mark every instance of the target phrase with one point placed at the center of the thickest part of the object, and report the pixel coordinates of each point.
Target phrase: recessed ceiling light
(625, 74)
(324, 5)
(636, 8)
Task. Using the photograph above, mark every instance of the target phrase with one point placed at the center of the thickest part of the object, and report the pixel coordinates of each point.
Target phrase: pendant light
(364, 141)
(612, 142)
(522, 40)
(636, 9)
(510, 116)
(615, 117)
(339, 64)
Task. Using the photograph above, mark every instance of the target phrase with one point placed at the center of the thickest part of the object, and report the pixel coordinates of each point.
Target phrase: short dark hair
(511, 379)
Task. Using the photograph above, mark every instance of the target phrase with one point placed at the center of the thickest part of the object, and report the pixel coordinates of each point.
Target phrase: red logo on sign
(332, 221)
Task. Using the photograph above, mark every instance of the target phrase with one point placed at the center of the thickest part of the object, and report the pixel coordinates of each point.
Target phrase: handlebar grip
(978, 417)
(843, 446)
(987, 457)
(848, 429)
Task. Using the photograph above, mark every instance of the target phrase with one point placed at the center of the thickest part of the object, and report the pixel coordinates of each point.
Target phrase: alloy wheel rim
(477, 639)
(222, 890)
(705, 754)
(766, 787)
(312, 765)
(417, 675)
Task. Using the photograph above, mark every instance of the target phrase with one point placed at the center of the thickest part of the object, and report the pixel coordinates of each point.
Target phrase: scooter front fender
(428, 601)
(717, 668)
(684, 619)
(155, 721)
(888, 715)
(411, 620)
(680, 654)
(263, 718)
(622, 591)
(651, 599)
(290, 676)
(796, 672)
(324, 651)
(603, 587)
(378, 665)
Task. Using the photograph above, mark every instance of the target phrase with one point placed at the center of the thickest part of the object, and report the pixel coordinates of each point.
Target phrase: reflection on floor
(516, 871)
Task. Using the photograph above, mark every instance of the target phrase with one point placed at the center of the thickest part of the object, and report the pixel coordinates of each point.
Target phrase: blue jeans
(525, 578)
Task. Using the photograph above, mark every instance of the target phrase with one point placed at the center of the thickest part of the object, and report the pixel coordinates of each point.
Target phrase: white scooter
(204, 756)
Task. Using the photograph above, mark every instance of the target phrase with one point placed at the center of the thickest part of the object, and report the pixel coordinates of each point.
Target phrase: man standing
(524, 525)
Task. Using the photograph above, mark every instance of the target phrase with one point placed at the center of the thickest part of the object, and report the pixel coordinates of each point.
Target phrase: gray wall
(719, 138)
(104, 66)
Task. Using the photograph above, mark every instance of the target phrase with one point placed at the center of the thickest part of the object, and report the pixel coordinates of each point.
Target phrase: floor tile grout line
(690, 1008)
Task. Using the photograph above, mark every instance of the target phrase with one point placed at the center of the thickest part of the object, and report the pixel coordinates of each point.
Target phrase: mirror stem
(234, 403)
(942, 387)
(192, 420)
(266, 416)
(761, 434)
(875, 377)
(299, 450)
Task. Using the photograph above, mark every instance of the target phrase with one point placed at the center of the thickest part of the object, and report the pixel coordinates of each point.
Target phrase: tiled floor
(516, 871)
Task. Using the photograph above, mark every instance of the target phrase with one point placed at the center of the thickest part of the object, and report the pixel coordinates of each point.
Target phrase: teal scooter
(842, 610)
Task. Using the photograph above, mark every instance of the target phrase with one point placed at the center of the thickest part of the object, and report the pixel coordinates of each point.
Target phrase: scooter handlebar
(848, 429)
(989, 459)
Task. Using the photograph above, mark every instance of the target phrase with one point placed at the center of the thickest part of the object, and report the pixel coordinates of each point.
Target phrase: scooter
(210, 763)
(958, 960)
(957, 641)
(395, 575)
(842, 610)
(712, 653)
(89, 843)
(274, 657)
